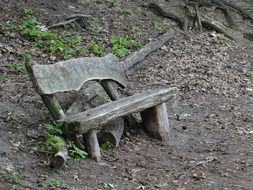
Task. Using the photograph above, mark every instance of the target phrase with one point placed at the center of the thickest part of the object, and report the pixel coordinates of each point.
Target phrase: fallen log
(60, 157)
(152, 46)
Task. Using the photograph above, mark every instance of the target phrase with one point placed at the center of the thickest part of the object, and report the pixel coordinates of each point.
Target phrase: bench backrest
(72, 74)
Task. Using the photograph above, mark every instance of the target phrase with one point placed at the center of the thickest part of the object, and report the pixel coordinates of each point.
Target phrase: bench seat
(92, 118)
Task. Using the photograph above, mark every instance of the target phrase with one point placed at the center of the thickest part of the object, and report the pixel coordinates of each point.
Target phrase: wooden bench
(70, 75)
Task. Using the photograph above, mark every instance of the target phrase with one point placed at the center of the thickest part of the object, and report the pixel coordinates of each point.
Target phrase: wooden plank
(50, 100)
(113, 131)
(156, 122)
(82, 122)
(70, 75)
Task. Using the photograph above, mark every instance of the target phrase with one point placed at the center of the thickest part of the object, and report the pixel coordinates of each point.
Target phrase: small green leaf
(75, 152)
(106, 146)
(51, 183)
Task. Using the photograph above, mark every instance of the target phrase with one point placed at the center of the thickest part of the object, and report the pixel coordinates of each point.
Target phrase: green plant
(3, 75)
(97, 49)
(92, 24)
(51, 183)
(124, 10)
(191, 45)
(17, 66)
(116, 24)
(53, 129)
(121, 45)
(249, 74)
(136, 29)
(76, 152)
(15, 177)
(63, 44)
(28, 11)
(25, 54)
(106, 146)
(160, 27)
(102, 97)
(44, 112)
(53, 142)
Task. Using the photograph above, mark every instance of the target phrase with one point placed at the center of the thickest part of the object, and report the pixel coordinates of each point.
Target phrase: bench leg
(112, 132)
(92, 146)
(156, 122)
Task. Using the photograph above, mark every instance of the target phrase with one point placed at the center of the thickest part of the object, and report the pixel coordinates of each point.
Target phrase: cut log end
(57, 161)
(60, 158)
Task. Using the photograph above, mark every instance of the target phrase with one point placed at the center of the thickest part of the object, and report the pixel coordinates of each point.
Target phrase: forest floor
(211, 120)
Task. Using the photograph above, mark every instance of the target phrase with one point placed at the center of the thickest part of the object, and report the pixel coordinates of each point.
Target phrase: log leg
(112, 132)
(92, 146)
(156, 123)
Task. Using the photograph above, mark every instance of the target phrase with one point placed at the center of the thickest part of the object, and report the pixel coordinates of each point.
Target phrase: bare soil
(211, 120)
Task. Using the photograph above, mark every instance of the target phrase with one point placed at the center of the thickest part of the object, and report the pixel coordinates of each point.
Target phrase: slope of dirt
(212, 118)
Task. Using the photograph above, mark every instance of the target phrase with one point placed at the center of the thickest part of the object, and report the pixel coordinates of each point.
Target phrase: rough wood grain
(70, 75)
(50, 100)
(110, 89)
(113, 131)
(53, 106)
(139, 55)
(156, 123)
(82, 122)
(81, 102)
(91, 143)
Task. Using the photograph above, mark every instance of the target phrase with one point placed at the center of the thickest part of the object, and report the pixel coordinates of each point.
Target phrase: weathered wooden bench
(70, 75)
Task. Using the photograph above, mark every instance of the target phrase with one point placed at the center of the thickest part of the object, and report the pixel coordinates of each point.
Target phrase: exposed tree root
(239, 9)
(161, 12)
(194, 19)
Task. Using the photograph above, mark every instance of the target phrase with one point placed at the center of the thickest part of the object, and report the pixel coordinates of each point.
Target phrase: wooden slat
(82, 122)
(70, 75)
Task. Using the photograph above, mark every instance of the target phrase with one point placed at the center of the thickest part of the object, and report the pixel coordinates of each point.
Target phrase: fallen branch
(69, 20)
(64, 23)
(139, 55)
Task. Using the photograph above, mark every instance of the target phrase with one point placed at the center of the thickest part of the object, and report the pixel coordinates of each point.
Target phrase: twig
(70, 19)
(62, 23)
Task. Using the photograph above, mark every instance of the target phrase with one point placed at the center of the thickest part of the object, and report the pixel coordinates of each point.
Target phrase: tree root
(195, 19)
(157, 9)
(239, 9)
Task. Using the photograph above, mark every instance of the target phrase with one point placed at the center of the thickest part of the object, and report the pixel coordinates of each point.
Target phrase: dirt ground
(212, 118)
